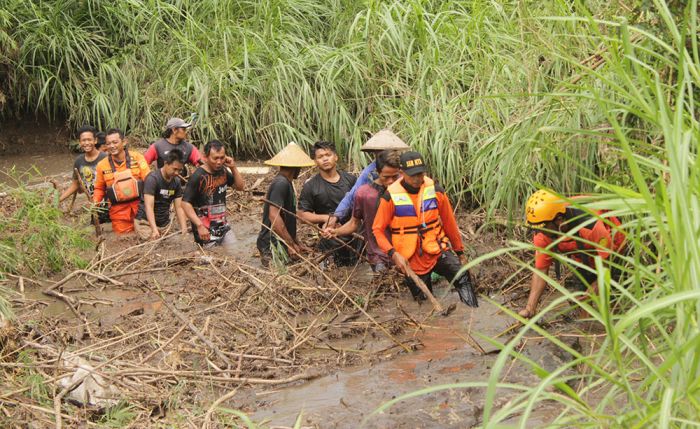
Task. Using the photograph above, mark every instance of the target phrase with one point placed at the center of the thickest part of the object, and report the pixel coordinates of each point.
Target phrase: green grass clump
(117, 416)
(33, 237)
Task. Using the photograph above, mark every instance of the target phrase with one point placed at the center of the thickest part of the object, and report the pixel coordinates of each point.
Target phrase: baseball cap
(177, 123)
(412, 163)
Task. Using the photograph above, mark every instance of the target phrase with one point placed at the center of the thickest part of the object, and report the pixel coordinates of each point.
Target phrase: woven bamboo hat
(384, 140)
(291, 156)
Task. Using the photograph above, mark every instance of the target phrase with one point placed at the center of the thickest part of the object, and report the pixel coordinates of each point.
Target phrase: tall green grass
(468, 83)
(645, 372)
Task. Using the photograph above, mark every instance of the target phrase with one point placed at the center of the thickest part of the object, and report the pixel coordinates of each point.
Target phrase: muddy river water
(36, 166)
(449, 351)
(447, 355)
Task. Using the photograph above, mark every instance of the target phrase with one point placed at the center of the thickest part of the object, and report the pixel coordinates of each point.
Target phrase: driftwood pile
(199, 324)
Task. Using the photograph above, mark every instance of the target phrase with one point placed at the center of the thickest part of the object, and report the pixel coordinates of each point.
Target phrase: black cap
(412, 163)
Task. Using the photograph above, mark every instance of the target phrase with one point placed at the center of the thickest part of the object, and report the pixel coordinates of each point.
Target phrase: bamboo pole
(93, 215)
(422, 286)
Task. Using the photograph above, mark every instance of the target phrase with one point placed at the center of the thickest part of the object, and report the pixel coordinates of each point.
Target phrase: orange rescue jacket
(416, 228)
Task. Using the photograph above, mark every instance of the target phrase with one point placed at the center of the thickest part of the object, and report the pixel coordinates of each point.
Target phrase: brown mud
(174, 327)
(37, 135)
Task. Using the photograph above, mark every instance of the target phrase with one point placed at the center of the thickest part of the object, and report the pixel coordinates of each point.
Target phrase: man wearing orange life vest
(120, 177)
(551, 217)
(424, 233)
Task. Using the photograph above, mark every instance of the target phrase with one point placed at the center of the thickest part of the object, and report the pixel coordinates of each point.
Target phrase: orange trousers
(122, 216)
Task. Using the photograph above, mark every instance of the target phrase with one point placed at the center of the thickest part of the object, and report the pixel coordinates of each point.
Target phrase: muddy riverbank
(33, 135)
(173, 328)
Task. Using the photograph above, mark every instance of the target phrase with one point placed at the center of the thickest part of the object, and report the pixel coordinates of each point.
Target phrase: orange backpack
(125, 187)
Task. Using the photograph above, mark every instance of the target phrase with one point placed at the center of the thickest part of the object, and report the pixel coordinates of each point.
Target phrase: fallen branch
(358, 306)
(83, 272)
(195, 330)
(210, 411)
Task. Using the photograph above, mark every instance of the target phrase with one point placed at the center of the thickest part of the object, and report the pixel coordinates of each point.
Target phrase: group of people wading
(405, 218)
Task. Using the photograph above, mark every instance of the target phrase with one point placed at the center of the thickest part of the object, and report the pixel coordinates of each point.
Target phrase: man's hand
(229, 162)
(328, 232)
(293, 252)
(203, 232)
(332, 222)
(303, 248)
(95, 209)
(155, 234)
(400, 262)
(463, 259)
(296, 249)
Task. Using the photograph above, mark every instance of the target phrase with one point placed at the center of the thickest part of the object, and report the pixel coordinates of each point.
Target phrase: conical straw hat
(291, 156)
(384, 140)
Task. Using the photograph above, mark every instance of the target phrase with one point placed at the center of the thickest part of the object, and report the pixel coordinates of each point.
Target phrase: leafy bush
(33, 237)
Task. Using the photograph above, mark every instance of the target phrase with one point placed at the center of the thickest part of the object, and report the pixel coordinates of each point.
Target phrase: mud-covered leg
(448, 266)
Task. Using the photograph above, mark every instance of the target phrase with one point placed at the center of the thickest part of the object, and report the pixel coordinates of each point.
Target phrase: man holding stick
(364, 208)
(319, 198)
(279, 224)
(424, 236)
(84, 167)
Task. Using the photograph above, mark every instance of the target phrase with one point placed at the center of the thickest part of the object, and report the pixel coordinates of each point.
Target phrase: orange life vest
(416, 227)
(126, 185)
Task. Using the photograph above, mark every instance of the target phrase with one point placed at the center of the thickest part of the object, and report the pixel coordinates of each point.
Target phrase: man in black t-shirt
(279, 229)
(161, 189)
(84, 166)
(175, 137)
(320, 196)
(204, 200)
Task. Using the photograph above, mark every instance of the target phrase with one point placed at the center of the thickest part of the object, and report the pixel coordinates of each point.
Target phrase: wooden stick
(72, 201)
(204, 375)
(196, 331)
(69, 302)
(421, 285)
(163, 346)
(84, 272)
(93, 215)
(210, 411)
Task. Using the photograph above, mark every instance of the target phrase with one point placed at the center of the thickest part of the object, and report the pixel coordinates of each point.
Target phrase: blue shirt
(368, 175)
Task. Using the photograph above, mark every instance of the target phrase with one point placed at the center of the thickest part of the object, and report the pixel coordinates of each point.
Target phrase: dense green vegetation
(34, 238)
(500, 96)
(469, 83)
